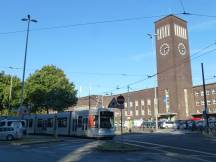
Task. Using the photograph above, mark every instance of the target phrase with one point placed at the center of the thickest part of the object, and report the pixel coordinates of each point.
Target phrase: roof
(171, 15)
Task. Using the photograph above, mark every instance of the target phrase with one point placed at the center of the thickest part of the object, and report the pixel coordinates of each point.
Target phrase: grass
(27, 140)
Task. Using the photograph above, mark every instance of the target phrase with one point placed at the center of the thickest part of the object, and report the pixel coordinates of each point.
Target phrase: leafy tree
(5, 85)
(49, 88)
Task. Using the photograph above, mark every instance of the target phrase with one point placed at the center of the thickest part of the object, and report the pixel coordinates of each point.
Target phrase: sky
(102, 45)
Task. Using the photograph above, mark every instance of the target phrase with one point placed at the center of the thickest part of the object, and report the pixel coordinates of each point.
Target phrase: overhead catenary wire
(89, 23)
(108, 21)
(174, 66)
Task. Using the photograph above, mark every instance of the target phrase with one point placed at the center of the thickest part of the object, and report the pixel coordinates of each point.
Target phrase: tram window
(79, 122)
(2, 124)
(9, 123)
(30, 123)
(74, 125)
(40, 123)
(96, 121)
(23, 123)
(106, 120)
(50, 122)
(62, 122)
(86, 123)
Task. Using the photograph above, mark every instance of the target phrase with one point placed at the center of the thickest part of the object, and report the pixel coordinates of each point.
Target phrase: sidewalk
(34, 139)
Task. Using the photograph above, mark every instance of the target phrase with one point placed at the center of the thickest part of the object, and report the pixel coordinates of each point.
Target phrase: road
(167, 147)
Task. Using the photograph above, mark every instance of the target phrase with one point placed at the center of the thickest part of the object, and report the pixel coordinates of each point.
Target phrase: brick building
(176, 97)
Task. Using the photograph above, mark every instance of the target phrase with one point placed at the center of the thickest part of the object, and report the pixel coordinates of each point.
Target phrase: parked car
(167, 124)
(14, 123)
(10, 133)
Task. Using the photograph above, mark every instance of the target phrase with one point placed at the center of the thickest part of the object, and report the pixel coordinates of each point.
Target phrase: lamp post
(28, 19)
(151, 36)
(10, 91)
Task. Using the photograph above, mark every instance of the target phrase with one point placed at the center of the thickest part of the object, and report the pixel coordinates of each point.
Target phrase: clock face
(164, 49)
(181, 49)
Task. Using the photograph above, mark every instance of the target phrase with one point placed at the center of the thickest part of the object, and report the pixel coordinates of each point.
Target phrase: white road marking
(169, 153)
(173, 147)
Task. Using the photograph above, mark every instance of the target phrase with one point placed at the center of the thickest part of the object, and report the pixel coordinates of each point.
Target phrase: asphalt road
(163, 147)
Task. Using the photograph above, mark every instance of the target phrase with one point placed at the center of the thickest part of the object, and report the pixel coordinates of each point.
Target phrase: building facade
(175, 97)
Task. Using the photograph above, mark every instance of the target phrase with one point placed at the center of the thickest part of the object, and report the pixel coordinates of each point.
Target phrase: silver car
(10, 133)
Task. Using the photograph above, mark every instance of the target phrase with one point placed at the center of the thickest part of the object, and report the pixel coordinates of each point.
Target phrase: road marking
(170, 153)
(173, 147)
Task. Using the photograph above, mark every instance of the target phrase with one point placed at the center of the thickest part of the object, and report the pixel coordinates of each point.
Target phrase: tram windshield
(106, 119)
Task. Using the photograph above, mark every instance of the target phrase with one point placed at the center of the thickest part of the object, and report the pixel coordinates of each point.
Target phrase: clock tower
(173, 68)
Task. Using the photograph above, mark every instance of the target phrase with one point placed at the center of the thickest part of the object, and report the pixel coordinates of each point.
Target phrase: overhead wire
(173, 66)
(89, 23)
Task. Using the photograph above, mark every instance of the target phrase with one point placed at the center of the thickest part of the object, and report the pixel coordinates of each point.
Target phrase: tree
(49, 88)
(5, 85)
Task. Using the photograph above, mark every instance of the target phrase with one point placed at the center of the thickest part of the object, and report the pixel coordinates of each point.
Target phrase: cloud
(203, 25)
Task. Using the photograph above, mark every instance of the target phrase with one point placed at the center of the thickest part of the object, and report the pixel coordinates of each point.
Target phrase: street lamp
(28, 19)
(151, 36)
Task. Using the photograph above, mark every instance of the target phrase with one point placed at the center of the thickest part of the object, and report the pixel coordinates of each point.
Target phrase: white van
(10, 133)
(168, 124)
(21, 124)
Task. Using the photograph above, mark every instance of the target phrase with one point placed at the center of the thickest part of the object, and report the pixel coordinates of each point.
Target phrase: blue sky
(104, 55)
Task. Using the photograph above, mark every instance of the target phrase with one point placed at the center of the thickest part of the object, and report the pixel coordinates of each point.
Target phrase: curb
(33, 143)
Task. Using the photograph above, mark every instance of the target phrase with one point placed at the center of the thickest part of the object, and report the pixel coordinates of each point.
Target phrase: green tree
(5, 85)
(49, 88)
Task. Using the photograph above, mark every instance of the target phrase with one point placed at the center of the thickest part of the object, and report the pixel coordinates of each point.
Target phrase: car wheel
(10, 137)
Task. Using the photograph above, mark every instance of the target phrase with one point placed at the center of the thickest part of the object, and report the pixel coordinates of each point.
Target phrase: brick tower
(174, 68)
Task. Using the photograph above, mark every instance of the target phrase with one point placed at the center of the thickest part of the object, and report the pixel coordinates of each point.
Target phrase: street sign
(120, 100)
(113, 103)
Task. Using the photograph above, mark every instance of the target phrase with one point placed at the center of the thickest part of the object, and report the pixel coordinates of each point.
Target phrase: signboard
(120, 100)
(117, 103)
(113, 103)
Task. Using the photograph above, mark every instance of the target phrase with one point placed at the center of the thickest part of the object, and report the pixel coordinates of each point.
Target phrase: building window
(214, 102)
(137, 112)
(201, 93)
(142, 102)
(131, 104)
(149, 111)
(202, 103)
(136, 104)
(143, 112)
(213, 91)
(209, 102)
(198, 112)
(197, 103)
(131, 113)
(149, 102)
(196, 93)
(126, 113)
(207, 92)
(125, 104)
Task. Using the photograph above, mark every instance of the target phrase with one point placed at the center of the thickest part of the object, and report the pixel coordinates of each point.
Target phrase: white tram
(98, 123)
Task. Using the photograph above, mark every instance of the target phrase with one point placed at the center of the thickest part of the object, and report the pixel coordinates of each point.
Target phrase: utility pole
(10, 92)
(205, 100)
(128, 104)
(28, 19)
(89, 97)
(152, 36)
